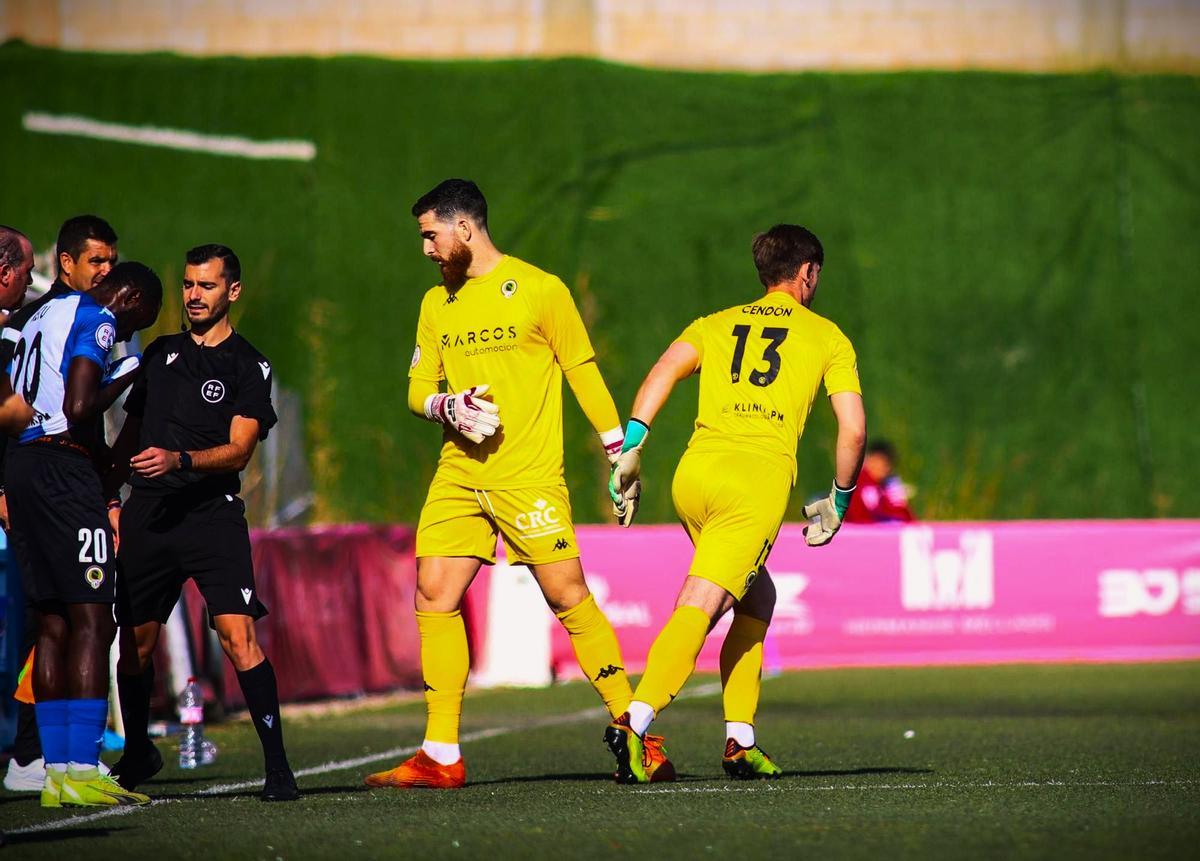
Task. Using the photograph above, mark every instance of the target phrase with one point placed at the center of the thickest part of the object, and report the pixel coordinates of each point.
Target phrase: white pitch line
(344, 764)
(179, 139)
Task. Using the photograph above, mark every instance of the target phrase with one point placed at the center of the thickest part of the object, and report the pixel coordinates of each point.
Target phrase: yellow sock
(741, 667)
(672, 658)
(445, 663)
(599, 653)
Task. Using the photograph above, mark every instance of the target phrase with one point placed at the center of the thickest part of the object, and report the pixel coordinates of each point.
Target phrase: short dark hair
(781, 251)
(75, 232)
(231, 267)
(883, 447)
(137, 275)
(452, 197)
(12, 251)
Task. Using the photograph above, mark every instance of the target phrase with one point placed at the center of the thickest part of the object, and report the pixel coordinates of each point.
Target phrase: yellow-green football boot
(93, 789)
(626, 745)
(52, 787)
(748, 763)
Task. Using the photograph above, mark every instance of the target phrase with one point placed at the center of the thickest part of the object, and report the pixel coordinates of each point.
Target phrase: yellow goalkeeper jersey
(761, 365)
(515, 329)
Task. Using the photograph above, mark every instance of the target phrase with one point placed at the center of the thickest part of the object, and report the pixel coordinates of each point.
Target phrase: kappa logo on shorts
(542, 521)
(561, 544)
(213, 391)
(94, 576)
(508, 288)
(246, 593)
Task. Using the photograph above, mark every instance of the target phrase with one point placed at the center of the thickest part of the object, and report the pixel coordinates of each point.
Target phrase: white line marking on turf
(344, 764)
(180, 139)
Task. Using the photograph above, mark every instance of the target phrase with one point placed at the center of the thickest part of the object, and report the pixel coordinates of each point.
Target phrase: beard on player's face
(454, 265)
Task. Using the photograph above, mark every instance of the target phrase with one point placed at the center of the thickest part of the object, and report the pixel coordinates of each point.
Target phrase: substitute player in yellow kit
(761, 365)
(502, 335)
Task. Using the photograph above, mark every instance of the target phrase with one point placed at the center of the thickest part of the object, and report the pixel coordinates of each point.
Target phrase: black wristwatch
(185, 461)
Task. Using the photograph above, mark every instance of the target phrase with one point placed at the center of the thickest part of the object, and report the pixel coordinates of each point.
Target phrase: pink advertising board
(934, 593)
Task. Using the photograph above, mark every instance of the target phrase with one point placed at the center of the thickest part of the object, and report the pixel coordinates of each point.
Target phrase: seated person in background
(882, 496)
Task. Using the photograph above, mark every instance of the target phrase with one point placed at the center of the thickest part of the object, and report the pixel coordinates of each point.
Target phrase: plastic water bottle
(191, 715)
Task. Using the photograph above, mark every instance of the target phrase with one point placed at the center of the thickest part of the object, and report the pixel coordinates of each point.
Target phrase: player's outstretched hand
(826, 516)
(467, 412)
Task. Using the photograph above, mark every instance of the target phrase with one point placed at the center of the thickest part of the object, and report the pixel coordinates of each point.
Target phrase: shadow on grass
(58, 835)
(697, 778)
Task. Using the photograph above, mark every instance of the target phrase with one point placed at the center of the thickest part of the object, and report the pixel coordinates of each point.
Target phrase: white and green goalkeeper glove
(826, 516)
(624, 484)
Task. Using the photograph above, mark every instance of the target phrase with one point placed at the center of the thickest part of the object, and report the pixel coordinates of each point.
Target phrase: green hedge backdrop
(1014, 256)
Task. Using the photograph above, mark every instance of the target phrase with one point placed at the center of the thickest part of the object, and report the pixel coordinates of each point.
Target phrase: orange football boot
(654, 759)
(421, 772)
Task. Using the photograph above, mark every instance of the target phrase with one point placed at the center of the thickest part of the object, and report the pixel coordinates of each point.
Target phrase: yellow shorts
(732, 506)
(535, 523)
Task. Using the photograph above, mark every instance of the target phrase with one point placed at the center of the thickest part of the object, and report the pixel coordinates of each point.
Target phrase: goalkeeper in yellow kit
(761, 365)
(502, 334)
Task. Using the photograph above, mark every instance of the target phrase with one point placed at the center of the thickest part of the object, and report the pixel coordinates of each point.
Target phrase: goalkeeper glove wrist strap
(841, 497)
(635, 434)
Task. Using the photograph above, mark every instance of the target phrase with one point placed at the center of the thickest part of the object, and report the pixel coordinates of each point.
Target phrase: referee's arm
(230, 457)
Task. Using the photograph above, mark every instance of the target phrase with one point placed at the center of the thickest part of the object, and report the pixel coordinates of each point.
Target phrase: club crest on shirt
(94, 576)
(213, 391)
(106, 336)
(416, 359)
(508, 288)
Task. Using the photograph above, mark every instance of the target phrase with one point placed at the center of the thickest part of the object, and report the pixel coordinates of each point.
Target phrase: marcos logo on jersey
(478, 336)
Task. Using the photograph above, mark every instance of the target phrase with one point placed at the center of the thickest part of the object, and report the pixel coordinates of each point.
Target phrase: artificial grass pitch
(1079, 761)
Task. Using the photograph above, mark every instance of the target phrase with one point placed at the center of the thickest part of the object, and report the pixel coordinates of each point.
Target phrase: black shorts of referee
(168, 538)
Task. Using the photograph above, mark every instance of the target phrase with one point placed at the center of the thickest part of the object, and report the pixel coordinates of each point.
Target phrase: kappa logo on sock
(605, 672)
(246, 593)
(429, 687)
(269, 720)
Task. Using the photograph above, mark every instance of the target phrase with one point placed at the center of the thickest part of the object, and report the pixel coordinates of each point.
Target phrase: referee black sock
(262, 698)
(134, 692)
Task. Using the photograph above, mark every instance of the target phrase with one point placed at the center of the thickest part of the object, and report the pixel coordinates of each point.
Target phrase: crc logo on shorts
(213, 391)
(416, 359)
(542, 521)
(94, 576)
(508, 288)
(106, 336)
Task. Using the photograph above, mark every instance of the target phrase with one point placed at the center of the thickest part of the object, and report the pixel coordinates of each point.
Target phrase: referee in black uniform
(193, 419)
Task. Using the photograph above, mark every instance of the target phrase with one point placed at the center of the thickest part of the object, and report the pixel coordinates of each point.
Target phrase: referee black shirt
(187, 395)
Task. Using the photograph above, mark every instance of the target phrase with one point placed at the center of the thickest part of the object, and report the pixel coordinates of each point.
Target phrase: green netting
(1014, 256)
